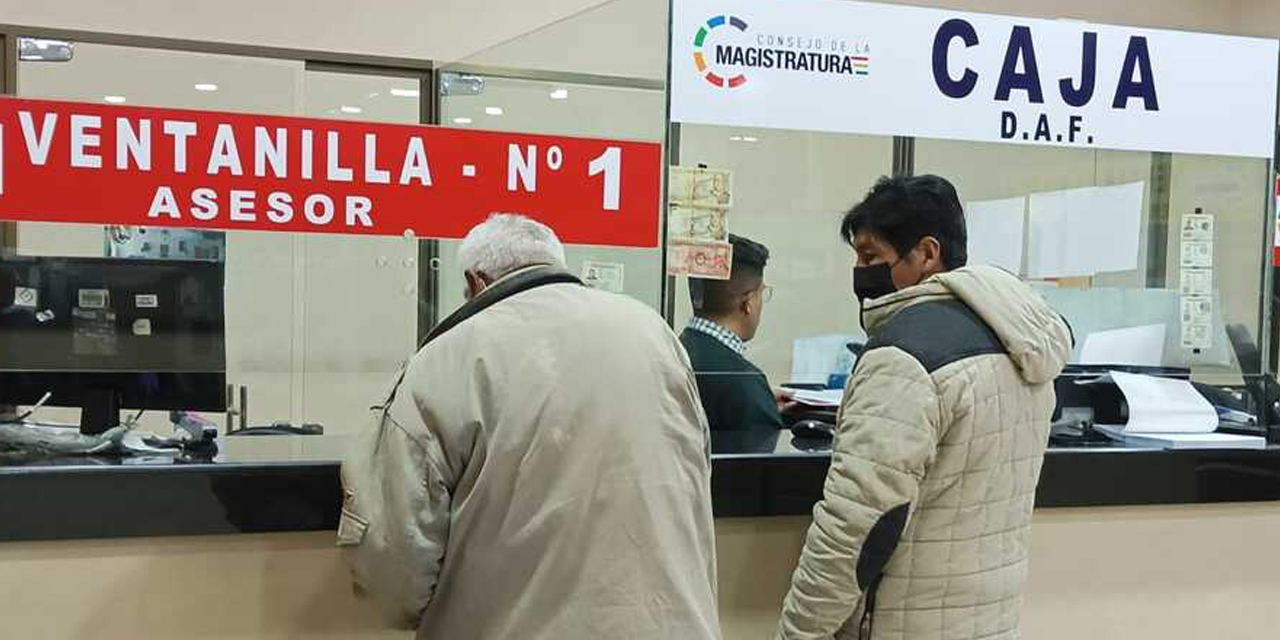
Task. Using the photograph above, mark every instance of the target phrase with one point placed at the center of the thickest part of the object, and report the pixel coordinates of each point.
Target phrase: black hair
(903, 210)
(720, 297)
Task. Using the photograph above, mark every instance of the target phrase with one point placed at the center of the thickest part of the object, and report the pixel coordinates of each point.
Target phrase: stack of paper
(1171, 414)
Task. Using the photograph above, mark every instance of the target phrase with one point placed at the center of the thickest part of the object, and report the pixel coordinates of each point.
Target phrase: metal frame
(669, 283)
(904, 156)
(428, 250)
(8, 86)
(537, 75)
(1158, 215)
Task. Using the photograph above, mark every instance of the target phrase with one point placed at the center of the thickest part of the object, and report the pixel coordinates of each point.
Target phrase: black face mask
(874, 281)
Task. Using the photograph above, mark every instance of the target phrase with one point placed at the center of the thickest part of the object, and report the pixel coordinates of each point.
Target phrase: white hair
(508, 242)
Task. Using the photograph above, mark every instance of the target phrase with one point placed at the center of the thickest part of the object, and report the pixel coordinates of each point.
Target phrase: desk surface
(290, 483)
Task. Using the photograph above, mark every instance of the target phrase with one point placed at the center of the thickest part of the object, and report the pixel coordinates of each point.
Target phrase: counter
(277, 484)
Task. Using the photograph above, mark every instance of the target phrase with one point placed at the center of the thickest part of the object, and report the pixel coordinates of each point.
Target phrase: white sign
(1197, 255)
(26, 297)
(854, 67)
(1197, 282)
(1197, 226)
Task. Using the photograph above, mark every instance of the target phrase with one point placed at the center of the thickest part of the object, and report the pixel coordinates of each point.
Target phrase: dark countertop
(266, 484)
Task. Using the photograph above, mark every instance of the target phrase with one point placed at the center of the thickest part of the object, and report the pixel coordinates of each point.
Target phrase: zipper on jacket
(866, 626)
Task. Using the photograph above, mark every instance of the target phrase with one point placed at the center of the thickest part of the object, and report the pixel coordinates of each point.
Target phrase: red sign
(93, 163)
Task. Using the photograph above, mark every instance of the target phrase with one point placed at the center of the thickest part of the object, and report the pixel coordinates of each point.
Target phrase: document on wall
(1134, 346)
(996, 232)
(815, 358)
(1083, 232)
(607, 276)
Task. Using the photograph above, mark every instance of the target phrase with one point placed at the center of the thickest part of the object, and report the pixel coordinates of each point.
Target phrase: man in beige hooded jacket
(541, 471)
(925, 521)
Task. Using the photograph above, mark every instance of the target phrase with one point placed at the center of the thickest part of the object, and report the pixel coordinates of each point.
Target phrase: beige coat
(925, 521)
(542, 473)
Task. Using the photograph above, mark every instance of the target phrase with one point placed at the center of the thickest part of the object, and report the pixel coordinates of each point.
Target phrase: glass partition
(627, 110)
(1155, 255)
(1155, 259)
(314, 325)
(1162, 254)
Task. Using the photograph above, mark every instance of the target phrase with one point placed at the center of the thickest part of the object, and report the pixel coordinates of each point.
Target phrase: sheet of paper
(824, 398)
(1141, 346)
(815, 358)
(1083, 232)
(996, 232)
(1164, 405)
(1185, 440)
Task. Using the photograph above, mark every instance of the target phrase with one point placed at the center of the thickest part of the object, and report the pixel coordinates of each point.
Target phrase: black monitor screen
(152, 330)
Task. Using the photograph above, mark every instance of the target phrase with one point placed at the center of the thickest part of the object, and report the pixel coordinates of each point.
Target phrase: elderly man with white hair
(540, 469)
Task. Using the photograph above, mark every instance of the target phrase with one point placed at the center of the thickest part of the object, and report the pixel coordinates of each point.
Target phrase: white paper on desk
(1135, 346)
(996, 232)
(1164, 405)
(824, 398)
(1083, 232)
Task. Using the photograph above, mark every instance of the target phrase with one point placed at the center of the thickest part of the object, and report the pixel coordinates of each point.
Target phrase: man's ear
(930, 255)
(745, 305)
(476, 282)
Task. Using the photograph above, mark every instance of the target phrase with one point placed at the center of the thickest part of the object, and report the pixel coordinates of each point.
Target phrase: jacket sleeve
(886, 438)
(395, 518)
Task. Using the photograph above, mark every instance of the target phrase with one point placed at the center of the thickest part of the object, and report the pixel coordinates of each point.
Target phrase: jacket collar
(878, 311)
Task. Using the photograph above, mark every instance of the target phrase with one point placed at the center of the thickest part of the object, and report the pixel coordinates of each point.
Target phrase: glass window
(789, 192)
(315, 325)
(1156, 257)
(1104, 235)
(568, 108)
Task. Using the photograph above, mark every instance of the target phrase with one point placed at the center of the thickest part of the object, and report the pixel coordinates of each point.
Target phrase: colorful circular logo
(700, 60)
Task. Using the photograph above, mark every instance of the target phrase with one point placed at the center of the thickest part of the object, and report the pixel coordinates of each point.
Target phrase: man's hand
(784, 399)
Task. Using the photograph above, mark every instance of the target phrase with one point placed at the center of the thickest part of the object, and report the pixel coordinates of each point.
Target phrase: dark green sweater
(739, 404)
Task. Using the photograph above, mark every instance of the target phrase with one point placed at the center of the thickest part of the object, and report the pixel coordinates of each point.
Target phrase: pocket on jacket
(351, 529)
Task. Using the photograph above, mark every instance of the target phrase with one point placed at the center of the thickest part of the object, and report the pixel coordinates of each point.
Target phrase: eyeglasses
(766, 292)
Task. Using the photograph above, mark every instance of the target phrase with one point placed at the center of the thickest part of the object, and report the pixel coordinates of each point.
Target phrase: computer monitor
(106, 334)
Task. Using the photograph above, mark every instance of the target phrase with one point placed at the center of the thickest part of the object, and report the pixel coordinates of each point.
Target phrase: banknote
(711, 260)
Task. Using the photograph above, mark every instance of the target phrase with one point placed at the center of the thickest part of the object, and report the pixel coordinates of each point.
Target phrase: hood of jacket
(1038, 339)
